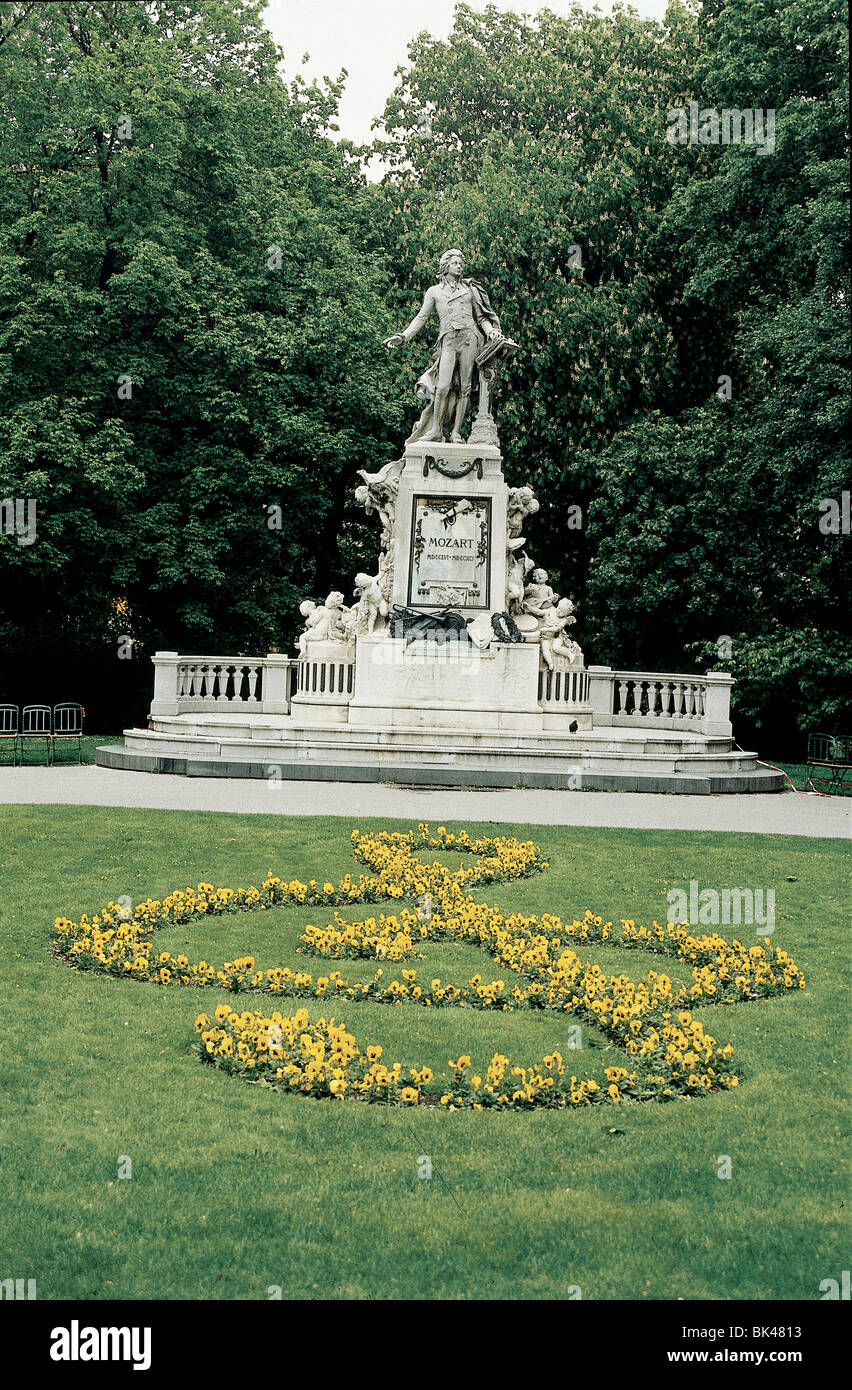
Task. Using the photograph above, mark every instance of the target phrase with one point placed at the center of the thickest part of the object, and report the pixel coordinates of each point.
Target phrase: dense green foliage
(633, 272)
(253, 384)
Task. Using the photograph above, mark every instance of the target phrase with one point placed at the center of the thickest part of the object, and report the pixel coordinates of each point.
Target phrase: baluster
(622, 698)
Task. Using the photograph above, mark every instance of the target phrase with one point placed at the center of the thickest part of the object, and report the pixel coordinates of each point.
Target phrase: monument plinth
(450, 535)
(447, 514)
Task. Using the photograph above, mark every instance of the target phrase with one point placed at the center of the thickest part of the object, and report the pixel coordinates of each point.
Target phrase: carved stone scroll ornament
(447, 471)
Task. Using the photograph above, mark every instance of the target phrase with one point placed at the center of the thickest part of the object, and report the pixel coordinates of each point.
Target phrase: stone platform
(286, 748)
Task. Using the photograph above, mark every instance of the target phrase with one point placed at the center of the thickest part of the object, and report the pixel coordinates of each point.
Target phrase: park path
(777, 814)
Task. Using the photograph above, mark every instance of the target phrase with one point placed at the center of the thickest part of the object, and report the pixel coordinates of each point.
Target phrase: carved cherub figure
(517, 569)
(538, 595)
(378, 493)
(384, 578)
(371, 603)
(312, 614)
(552, 633)
(326, 623)
(521, 504)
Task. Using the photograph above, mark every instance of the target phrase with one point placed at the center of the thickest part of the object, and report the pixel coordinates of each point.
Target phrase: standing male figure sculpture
(466, 322)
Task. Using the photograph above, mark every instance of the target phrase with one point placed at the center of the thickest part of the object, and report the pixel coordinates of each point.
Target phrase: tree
(759, 255)
(190, 337)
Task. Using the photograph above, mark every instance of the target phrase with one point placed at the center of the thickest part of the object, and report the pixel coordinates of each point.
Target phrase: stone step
(510, 751)
(286, 731)
(196, 764)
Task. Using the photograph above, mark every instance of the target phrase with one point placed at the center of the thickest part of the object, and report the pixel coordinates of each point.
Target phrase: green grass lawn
(798, 774)
(236, 1188)
(35, 753)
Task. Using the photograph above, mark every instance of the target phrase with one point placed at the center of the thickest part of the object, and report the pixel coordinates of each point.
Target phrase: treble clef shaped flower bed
(668, 1053)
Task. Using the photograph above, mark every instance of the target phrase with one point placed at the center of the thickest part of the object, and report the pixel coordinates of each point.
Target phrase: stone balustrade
(206, 684)
(325, 680)
(565, 686)
(662, 699)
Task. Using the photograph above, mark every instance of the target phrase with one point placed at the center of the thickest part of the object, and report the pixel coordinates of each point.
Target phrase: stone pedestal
(325, 680)
(276, 683)
(450, 530)
(165, 699)
(563, 693)
(444, 685)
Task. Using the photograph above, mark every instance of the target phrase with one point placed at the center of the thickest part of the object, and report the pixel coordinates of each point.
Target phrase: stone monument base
(288, 748)
(453, 686)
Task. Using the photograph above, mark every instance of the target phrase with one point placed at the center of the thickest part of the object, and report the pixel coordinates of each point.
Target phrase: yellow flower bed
(323, 1059)
(669, 1053)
